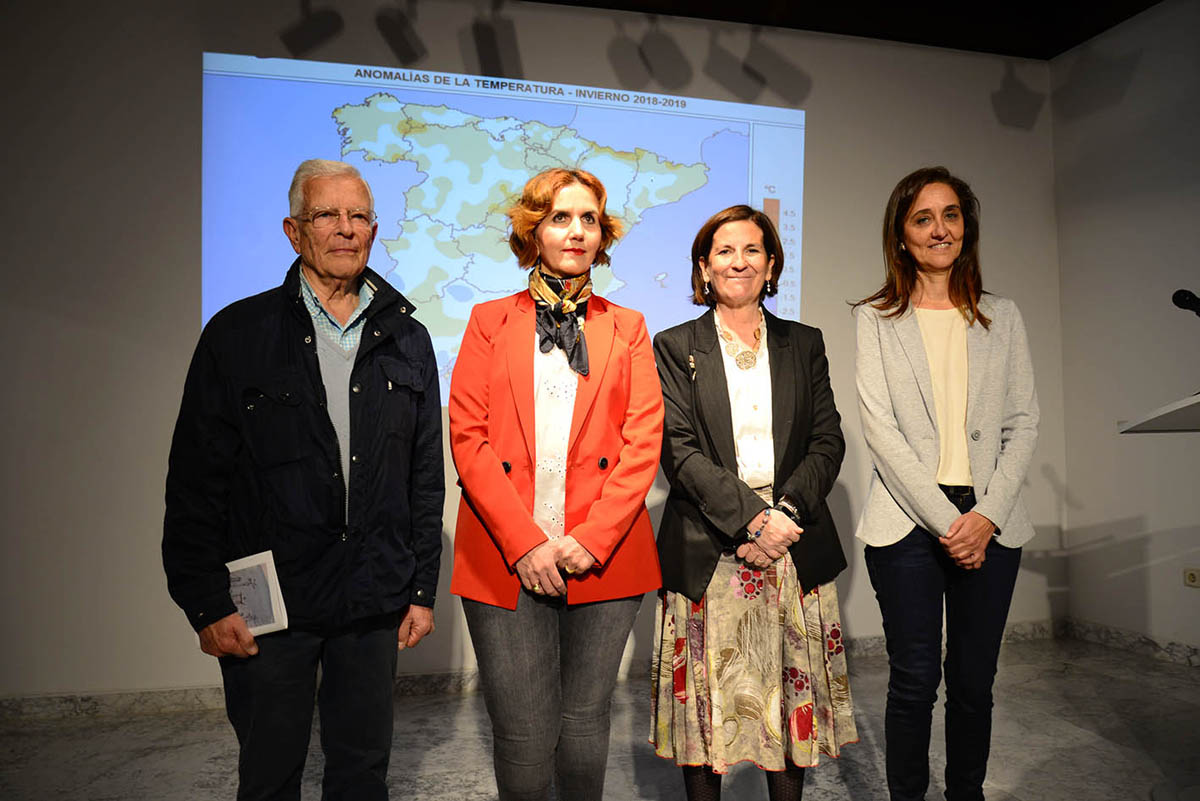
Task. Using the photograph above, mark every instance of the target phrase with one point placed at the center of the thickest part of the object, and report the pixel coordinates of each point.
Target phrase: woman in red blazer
(555, 428)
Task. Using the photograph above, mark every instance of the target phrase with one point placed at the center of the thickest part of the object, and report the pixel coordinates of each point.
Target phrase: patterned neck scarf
(561, 310)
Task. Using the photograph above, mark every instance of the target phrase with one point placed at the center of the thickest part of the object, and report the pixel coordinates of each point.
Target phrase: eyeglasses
(323, 219)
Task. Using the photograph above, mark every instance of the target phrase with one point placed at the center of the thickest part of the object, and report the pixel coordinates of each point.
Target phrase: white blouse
(750, 407)
(554, 387)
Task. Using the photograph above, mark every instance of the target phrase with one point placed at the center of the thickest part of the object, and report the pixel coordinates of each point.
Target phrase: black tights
(702, 784)
(785, 785)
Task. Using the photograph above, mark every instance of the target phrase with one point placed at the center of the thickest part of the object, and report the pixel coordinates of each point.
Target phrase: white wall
(1127, 181)
(103, 275)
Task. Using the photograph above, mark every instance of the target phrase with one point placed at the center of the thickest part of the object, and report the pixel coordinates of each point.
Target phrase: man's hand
(416, 623)
(229, 636)
(967, 540)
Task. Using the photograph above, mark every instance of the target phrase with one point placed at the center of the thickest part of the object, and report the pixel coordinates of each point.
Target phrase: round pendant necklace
(745, 358)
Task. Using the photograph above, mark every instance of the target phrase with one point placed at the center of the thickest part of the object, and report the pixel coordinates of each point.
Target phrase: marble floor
(1073, 721)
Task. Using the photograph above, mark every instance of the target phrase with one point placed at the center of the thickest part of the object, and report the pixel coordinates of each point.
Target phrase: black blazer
(709, 507)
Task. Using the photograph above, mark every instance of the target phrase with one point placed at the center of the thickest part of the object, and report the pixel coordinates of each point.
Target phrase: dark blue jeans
(913, 578)
(548, 670)
(269, 698)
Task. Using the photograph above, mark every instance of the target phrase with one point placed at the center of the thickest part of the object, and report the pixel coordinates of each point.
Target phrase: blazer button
(507, 467)
(603, 462)
(975, 435)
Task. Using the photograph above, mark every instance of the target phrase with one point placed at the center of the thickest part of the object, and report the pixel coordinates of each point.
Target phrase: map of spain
(452, 249)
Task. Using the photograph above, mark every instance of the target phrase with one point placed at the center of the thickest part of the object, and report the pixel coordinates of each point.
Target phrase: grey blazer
(895, 400)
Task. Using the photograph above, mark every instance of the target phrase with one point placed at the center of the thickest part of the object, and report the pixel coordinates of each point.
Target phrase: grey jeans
(548, 670)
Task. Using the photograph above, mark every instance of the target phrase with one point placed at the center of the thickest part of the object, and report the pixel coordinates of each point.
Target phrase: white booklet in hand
(254, 588)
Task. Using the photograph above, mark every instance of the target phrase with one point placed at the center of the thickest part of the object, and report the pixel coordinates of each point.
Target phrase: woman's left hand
(539, 572)
(752, 554)
(573, 558)
(967, 540)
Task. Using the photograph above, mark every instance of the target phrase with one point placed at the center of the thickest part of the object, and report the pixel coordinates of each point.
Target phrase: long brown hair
(900, 270)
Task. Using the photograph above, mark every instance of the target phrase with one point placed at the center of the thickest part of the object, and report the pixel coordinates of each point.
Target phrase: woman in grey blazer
(949, 412)
(750, 664)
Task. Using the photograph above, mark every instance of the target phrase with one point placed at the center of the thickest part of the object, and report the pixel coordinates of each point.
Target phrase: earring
(768, 286)
(902, 246)
(707, 290)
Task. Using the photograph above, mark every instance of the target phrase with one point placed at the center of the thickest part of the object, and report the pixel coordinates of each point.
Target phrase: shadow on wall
(1143, 135)
(1015, 104)
(488, 45)
(1059, 488)
(1142, 138)
(1045, 556)
(1126, 591)
(1095, 81)
(1107, 573)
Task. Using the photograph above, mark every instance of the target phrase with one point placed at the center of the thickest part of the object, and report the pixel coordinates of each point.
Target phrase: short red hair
(535, 203)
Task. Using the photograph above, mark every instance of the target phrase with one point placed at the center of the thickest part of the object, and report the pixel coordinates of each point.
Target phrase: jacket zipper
(345, 488)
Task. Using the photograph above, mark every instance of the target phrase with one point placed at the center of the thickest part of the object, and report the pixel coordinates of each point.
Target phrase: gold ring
(570, 570)
(537, 587)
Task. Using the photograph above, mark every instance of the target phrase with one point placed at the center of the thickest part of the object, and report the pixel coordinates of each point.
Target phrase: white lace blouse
(554, 387)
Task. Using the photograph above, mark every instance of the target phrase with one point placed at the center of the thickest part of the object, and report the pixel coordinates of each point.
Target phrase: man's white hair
(319, 168)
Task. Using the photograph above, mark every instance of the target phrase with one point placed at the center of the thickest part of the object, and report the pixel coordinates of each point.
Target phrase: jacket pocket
(274, 418)
(404, 385)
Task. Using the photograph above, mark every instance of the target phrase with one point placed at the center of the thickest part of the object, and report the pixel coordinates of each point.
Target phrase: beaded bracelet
(757, 534)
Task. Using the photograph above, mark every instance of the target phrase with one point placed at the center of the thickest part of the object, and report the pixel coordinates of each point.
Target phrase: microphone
(1186, 299)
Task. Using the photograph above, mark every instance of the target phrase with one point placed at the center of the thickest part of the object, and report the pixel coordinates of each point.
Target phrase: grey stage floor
(1073, 721)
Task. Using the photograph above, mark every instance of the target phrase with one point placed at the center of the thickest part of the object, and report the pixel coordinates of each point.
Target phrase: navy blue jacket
(255, 464)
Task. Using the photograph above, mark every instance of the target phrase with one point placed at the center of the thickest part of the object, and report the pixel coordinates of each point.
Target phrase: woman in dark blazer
(750, 663)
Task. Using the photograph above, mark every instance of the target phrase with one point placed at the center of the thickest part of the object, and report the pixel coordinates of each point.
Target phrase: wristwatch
(790, 507)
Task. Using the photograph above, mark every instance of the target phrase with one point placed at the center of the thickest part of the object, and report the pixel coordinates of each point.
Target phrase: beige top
(944, 332)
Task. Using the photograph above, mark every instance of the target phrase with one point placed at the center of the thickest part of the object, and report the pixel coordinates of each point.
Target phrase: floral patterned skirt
(756, 671)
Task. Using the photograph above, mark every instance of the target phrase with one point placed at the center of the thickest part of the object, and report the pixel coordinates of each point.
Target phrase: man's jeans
(911, 578)
(548, 670)
(269, 699)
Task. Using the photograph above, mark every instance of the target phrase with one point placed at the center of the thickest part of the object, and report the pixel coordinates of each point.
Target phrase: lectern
(1182, 415)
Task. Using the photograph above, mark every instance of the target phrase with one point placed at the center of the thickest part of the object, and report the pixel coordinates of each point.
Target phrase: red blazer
(612, 458)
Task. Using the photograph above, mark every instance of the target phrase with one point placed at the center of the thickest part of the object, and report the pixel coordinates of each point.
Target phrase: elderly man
(311, 427)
